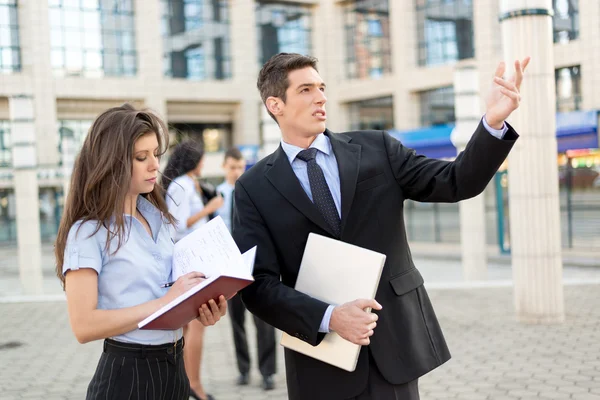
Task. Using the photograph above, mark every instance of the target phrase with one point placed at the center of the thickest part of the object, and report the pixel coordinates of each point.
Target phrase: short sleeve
(83, 249)
(178, 205)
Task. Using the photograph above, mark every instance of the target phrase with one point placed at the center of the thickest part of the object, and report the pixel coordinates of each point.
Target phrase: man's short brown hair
(273, 77)
(234, 153)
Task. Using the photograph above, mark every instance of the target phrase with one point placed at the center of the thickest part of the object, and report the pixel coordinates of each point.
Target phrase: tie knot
(307, 155)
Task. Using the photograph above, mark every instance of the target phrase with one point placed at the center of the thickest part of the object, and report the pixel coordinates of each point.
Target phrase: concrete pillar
(532, 172)
(328, 23)
(35, 28)
(244, 45)
(23, 135)
(149, 46)
(472, 211)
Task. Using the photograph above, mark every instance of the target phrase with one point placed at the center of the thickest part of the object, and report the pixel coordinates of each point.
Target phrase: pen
(169, 284)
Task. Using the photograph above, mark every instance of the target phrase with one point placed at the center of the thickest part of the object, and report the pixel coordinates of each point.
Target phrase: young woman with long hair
(184, 200)
(113, 253)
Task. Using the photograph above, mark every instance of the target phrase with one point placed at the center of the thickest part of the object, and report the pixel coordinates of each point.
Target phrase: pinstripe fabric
(121, 374)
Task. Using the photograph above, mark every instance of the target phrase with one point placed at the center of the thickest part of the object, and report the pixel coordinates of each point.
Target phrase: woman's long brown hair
(102, 175)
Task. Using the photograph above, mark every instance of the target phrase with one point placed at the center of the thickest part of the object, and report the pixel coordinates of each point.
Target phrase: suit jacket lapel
(348, 159)
(281, 175)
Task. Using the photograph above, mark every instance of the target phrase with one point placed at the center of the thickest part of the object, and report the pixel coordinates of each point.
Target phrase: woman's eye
(141, 159)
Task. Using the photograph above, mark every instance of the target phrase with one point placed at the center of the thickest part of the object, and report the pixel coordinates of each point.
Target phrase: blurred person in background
(233, 167)
(184, 199)
(113, 254)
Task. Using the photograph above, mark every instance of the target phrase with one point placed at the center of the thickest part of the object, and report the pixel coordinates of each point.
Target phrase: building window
(5, 145)
(367, 31)
(10, 59)
(282, 27)
(568, 89)
(196, 39)
(437, 106)
(566, 20)
(71, 133)
(92, 38)
(214, 137)
(444, 31)
(377, 114)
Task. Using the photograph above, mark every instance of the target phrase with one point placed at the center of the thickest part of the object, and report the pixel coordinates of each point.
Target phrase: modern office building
(388, 65)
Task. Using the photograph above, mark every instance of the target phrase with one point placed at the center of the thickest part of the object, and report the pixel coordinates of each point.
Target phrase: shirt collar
(320, 143)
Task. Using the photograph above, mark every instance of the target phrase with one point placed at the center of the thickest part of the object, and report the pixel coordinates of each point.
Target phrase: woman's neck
(130, 204)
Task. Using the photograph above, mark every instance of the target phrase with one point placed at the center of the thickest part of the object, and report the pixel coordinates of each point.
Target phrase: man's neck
(230, 182)
(303, 142)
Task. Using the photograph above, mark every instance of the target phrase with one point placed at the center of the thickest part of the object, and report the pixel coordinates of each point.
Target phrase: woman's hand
(211, 313)
(214, 204)
(184, 283)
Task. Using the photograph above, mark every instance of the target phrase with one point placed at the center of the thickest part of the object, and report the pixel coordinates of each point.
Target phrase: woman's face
(198, 170)
(145, 164)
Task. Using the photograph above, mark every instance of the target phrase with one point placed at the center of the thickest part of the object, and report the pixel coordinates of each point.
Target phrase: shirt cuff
(497, 133)
(324, 328)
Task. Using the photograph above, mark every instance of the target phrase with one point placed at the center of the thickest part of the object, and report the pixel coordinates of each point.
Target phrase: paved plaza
(494, 356)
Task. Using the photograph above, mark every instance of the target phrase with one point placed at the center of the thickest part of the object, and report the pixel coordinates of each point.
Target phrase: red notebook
(184, 309)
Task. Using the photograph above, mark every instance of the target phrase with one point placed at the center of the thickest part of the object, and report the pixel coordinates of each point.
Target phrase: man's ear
(274, 105)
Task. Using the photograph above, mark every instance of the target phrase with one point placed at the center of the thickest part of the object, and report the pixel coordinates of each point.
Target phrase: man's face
(303, 113)
(233, 169)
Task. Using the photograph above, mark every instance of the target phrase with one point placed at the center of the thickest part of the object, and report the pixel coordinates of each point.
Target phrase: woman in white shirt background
(184, 199)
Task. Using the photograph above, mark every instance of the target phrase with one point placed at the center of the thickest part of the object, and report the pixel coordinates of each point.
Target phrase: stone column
(472, 211)
(24, 157)
(244, 48)
(532, 171)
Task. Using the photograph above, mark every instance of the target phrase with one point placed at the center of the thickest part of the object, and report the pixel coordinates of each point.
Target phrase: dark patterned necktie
(321, 195)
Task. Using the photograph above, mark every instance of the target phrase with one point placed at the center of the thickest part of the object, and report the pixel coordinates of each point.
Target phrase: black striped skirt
(140, 372)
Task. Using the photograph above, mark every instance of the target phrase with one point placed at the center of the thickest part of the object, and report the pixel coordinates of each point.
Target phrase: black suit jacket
(377, 173)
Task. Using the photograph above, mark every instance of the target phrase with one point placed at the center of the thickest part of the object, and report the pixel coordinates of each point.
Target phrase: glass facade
(568, 89)
(214, 137)
(282, 27)
(376, 114)
(92, 38)
(10, 59)
(367, 33)
(196, 39)
(437, 106)
(72, 129)
(5, 145)
(566, 20)
(444, 31)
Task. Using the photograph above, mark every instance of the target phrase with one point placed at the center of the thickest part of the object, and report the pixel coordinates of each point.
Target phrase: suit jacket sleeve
(430, 180)
(268, 298)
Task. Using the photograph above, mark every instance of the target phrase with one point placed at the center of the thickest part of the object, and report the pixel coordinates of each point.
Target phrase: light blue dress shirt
(134, 274)
(328, 163)
(225, 211)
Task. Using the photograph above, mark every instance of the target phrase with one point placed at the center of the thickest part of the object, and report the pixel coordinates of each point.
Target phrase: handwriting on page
(209, 249)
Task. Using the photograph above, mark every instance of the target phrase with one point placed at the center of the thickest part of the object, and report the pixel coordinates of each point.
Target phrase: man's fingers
(500, 70)
(507, 84)
(367, 303)
(525, 63)
(513, 95)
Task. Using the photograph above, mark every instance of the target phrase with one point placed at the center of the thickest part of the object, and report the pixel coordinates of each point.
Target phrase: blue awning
(577, 130)
(433, 141)
(574, 130)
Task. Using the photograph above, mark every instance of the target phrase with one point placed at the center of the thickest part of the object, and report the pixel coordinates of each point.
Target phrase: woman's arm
(89, 323)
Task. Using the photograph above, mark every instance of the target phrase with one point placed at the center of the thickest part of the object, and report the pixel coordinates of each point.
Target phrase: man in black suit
(351, 186)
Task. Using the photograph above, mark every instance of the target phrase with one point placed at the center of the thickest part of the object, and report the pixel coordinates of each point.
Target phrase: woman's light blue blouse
(134, 274)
